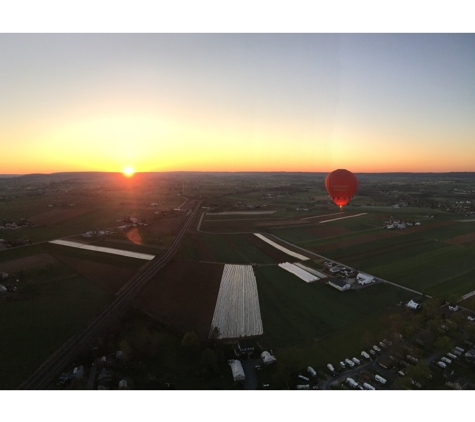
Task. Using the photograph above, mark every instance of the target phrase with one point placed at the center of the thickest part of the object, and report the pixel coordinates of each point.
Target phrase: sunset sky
(237, 102)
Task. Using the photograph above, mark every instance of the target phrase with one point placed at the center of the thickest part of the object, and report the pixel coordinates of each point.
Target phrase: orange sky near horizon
(237, 102)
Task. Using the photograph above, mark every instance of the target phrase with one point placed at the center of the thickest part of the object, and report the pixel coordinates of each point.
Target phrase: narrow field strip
(285, 250)
(299, 272)
(467, 296)
(311, 270)
(342, 218)
(240, 213)
(317, 216)
(237, 312)
(103, 249)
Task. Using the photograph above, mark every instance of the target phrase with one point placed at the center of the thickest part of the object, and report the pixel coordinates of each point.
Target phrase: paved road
(346, 374)
(250, 382)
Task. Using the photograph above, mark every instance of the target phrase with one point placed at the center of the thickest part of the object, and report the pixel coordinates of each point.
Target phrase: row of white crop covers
(281, 248)
(237, 312)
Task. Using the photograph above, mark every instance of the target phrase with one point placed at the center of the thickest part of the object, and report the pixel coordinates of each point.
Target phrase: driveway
(250, 383)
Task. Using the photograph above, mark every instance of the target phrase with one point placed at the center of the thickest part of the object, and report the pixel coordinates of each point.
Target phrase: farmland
(296, 313)
(53, 306)
(183, 296)
(230, 249)
(314, 320)
(237, 311)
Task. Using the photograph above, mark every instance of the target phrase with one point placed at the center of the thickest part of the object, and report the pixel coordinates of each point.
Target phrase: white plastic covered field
(311, 270)
(302, 274)
(121, 252)
(285, 250)
(237, 312)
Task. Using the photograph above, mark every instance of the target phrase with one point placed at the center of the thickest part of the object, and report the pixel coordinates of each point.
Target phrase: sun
(128, 171)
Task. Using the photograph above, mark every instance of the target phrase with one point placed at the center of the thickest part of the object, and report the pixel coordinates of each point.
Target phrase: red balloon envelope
(341, 185)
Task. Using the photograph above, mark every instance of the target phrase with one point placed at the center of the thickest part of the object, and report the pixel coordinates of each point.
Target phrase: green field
(296, 313)
(340, 344)
(443, 271)
(235, 249)
(421, 260)
(20, 252)
(227, 248)
(56, 303)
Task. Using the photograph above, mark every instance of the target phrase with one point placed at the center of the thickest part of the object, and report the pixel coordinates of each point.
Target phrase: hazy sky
(237, 102)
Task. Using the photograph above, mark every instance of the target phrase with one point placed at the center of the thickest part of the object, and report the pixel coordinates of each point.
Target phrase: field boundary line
(316, 216)
(342, 218)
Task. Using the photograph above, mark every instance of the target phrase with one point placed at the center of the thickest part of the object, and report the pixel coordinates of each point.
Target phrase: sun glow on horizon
(128, 171)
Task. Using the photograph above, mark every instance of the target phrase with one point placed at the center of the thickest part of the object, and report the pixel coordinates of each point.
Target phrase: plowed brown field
(183, 295)
(57, 215)
(353, 241)
(322, 232)
(203, 248)
(27, 263)
(110, 277)
(463, 239)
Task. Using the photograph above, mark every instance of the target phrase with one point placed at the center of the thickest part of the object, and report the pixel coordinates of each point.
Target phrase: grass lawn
(341, 344)
(53, 307)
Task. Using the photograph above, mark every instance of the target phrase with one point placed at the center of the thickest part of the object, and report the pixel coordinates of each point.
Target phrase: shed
(237, 370)
(339, 284)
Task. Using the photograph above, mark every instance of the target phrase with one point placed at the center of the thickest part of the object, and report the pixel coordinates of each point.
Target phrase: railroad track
(61, 357)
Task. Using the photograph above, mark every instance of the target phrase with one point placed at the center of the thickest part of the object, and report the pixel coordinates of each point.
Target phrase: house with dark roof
(339, 284)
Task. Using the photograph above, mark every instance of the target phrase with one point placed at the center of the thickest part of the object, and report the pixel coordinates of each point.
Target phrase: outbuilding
(339, 284)
(363, 278)
(237, 370)
(413, 305)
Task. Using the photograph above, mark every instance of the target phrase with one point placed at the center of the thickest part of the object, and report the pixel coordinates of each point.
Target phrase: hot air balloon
(341, 186)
